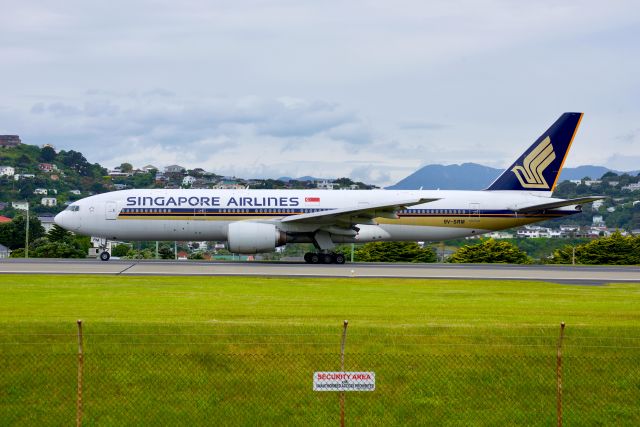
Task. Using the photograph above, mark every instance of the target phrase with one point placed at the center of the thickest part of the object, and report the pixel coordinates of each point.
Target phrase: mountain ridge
(474, 176)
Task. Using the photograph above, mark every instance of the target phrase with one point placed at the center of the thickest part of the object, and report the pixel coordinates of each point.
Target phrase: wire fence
(44, 386)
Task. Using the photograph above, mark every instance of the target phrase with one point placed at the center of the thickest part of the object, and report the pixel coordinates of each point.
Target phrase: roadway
(559, 274)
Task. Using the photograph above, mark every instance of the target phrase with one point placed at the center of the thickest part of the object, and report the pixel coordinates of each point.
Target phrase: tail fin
(539, 167)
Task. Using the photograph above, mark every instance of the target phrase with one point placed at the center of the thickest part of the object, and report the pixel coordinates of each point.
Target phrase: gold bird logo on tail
(530, 174)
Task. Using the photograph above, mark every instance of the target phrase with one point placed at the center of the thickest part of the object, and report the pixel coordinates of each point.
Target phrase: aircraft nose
(59, 219)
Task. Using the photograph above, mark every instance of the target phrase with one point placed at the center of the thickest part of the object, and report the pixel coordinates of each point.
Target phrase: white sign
(344, 381)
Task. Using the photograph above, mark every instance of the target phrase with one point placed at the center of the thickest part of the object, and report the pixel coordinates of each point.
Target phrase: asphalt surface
(558, 274)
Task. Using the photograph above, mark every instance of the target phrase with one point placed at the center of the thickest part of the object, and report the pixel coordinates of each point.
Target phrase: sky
(370, 90)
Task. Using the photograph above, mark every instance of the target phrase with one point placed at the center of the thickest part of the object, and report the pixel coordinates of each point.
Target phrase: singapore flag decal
(312, 199)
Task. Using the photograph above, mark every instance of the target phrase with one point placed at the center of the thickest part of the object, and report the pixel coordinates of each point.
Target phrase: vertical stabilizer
(538, 169)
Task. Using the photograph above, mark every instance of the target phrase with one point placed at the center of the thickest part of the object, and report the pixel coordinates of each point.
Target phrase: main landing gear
(324, 258)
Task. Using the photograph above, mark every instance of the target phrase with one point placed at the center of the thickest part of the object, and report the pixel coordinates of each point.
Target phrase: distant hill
(301, 179)
(472, 176)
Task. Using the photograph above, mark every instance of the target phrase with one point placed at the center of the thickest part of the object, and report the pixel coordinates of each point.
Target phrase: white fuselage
(188, 214)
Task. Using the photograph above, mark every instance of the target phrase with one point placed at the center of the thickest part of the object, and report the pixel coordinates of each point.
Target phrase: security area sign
(344, 381)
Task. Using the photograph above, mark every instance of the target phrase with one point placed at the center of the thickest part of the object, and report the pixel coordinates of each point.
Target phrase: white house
(76, 192)
(591, 182)
(47, 223)
(325, 184)
(611, 209)
(597, 219)
(20, 205)
(597, 205)
(188, 180)
(576, 181)
(499, 235)
(49, 201)
(174, 169)
(19, 176)
(632, 187)
(42, 191)
(7, 170)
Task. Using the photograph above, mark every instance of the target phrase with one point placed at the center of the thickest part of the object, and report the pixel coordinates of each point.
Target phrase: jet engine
(254, 237)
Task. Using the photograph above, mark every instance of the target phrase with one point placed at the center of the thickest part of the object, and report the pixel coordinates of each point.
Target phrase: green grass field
(242, 351)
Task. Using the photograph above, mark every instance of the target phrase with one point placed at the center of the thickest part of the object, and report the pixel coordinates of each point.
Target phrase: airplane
(257, 221)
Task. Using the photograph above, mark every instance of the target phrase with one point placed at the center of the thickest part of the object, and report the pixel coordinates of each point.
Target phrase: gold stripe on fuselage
(484, 222)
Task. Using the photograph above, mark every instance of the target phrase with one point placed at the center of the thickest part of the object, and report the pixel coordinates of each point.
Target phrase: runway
(558, 274)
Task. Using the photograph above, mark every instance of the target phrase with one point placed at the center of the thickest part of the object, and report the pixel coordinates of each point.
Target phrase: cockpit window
(73, 208)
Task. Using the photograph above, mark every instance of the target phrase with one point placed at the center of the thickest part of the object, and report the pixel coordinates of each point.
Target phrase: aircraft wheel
(314, 259)
(104, 256)
(327, 258)
(340, 259)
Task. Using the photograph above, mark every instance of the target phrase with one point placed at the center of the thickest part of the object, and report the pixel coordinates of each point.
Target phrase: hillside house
(19, 176)
(47, 167)
(47, 222)
(632, 187)
(229, 185)
(7, 141)
(174, 169)
(7, 171)
(41, 191)
(20, 205)
(325, 184)
(188, 180)
(149, 168)
(48, 201)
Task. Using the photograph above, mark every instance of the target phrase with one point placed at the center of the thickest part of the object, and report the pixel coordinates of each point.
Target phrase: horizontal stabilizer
(348, 215)
(559, 204)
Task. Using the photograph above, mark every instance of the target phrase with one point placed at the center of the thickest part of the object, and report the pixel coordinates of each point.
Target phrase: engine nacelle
(254, 237)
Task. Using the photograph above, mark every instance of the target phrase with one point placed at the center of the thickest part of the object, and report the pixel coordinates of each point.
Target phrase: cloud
(629, 137)
(273, 86)
(420, 125)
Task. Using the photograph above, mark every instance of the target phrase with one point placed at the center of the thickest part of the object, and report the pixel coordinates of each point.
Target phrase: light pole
(26, 235)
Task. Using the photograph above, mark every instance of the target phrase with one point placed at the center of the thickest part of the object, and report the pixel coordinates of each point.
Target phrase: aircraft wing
(356, 215)
(559, 204)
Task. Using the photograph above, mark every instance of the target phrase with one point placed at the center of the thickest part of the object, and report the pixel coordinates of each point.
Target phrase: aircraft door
(474, 212)
(111, 210)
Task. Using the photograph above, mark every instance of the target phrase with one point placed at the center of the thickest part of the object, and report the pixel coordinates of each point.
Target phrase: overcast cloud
(367, 89)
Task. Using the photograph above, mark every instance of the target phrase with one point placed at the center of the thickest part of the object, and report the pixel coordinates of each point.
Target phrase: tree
(490, 251)
(58, 234)
(613, 250)
(166, 252)
(121, 250)
(12, 234)
(394, 252)
(66, 248)
(47, 154)
(126, 167)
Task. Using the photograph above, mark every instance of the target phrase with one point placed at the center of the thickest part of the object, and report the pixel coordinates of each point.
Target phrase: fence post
(344, 340)
(559, 376)
(80, 371)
